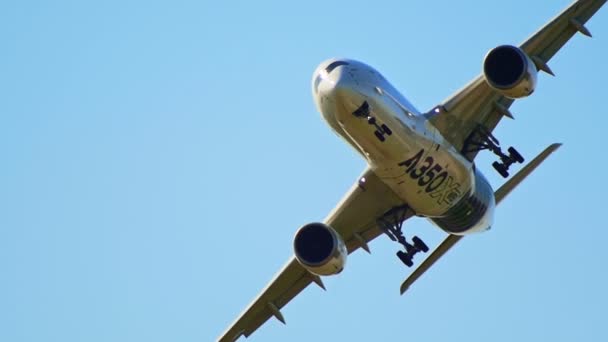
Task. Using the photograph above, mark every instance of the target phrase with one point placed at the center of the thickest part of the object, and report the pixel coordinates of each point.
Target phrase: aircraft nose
(336, 72)
(332, 78)
(335, 91)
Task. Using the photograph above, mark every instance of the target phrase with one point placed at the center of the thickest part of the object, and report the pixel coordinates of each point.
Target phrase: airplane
(419, 164)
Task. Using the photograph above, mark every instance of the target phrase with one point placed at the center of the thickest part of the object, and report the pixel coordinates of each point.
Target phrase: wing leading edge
(478, 104)
(354, 219)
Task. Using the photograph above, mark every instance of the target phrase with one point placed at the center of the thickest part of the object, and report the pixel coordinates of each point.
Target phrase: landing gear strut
(481, 139)
(391, 224)
(363, 112)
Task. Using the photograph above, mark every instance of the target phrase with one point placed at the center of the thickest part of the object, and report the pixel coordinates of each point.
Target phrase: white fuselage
(401, 146)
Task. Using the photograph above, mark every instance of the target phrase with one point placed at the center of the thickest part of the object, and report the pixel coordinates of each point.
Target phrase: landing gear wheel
(420, 245)
(405, 258)
(482, 139)
(379, 135)
(515, 155)
(386, 129)
(501, 169)
(391, 224)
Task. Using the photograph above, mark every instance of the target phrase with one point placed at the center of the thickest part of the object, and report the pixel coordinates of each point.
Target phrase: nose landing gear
(481, 139)
(391, 224)
(381, 131)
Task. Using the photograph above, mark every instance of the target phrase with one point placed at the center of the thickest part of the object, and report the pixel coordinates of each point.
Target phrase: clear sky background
(156, 159)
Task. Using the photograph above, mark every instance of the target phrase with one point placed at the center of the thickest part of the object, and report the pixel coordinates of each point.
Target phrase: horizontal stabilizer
(430, 260)
(506, 188)
(499, 195)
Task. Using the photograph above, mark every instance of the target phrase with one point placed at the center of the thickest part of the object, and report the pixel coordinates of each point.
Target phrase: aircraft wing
(477, 103)
(354, 218)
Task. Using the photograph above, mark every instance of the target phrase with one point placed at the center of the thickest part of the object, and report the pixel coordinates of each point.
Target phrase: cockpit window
(334, 65)
(317, 82)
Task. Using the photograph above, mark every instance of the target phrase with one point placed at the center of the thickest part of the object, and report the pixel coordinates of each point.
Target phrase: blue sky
(157, 158)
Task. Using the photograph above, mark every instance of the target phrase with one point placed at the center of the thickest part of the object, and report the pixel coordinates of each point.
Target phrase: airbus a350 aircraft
(420, 164)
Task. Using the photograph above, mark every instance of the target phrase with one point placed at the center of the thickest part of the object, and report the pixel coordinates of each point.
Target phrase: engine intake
(320, 249)
(510, 71)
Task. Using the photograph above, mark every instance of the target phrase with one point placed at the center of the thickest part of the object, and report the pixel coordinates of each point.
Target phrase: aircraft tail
(499, 195)
(514, 181)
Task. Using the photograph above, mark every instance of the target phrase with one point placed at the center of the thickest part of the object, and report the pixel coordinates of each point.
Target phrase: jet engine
(320, 249)
(510, 71)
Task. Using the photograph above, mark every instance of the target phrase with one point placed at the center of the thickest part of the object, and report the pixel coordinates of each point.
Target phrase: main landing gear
(363, 112)
(482, 139)
(391, 224)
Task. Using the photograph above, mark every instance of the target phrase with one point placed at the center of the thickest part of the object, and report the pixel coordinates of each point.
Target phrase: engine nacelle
(320, 249)
(510, 71)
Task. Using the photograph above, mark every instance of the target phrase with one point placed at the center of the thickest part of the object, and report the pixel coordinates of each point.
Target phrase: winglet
(499, 195)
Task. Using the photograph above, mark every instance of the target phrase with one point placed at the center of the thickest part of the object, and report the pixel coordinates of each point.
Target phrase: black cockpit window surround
(334, 65)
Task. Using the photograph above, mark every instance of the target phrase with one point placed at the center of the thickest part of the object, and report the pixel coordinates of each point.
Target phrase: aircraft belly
(361, 133)
(430, 181)
(414, 160)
